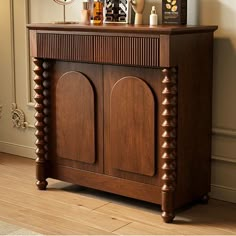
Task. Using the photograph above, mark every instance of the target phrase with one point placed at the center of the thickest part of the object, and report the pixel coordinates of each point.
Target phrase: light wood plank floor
(67, 209)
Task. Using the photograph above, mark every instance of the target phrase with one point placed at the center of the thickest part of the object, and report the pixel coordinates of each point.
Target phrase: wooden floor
(67, 209)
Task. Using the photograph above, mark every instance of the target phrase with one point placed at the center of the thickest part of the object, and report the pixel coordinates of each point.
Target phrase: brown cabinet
(125, 109)
(77, 115)
(132, 111)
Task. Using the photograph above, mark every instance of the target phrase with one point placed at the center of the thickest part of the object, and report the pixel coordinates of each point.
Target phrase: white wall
(19, 89)
(16, 86)
(45, 11)
(13, 84)
(223, 13)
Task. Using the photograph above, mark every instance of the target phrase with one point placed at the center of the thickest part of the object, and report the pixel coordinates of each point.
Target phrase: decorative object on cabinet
(174, 12)
(125, 122)
(153, 18)
(97, 12)
(64, 3)
(85, 13)
(116, 11)
(138, 6)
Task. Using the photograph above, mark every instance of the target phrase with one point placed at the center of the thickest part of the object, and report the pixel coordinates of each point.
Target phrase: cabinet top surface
(124, 28)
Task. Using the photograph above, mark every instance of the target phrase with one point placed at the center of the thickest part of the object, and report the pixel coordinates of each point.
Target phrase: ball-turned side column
(41, 124)
(169, 105)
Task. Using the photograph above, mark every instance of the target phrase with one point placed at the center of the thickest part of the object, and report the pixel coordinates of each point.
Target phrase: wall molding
(12, 29)
(224, 193)
(224, 159)
(16, 149)
(18, 116)
(30, 102)
(225, 132)
(224, 144)
(1, 107)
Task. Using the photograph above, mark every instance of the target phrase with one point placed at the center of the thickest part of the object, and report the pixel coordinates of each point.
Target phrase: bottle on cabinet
(97, 12)
(91, 10)
(85, 16)
(153, 19)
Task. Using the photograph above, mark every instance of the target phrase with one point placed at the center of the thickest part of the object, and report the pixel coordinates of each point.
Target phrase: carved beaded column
(42, 120)
(169, 143)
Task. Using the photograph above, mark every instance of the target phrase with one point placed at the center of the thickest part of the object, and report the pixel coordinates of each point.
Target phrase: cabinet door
(131, 103)
(77, 112)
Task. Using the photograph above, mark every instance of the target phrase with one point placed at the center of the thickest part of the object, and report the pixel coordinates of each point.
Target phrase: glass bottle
(85, 14)
(97, 12)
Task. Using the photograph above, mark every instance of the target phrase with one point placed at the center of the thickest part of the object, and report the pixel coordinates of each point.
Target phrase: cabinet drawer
(137, 51)
(67, 47)
(121, 50)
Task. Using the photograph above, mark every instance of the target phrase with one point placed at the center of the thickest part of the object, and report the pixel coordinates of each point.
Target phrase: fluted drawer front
(138, 51)
(123, 50)
(71, 47)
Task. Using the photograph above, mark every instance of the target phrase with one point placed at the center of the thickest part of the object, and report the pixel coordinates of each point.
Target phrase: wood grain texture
(132, 119)
(169, 136)
(137, 51)
(197, 220)
(133, 189)
(124, 28)
(194, 122)
(75, 118)
(82, 100)
(152, 80)
(156, 159)
(42, 120)
(65, 47)
(66, 208)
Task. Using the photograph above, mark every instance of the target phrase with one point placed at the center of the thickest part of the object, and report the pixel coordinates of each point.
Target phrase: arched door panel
(132, 119)
(75, 118)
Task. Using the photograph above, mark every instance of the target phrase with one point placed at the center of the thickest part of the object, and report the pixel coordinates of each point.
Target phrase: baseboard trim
(224, 132)
(223, 193)
(217, 191)
(224, 159)
(17, 149)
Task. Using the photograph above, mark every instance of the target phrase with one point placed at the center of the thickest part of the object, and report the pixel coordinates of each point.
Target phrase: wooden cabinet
(132, 110)
(77, 115)
(125, 109)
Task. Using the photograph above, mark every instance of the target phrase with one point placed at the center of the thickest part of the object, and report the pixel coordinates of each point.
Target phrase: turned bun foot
(168, 217)
(42, 185)
(204, 199)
